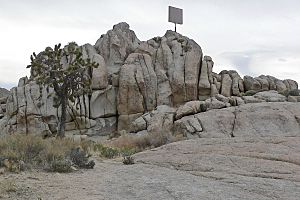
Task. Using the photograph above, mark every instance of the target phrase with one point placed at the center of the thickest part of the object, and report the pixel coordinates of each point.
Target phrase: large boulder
(137, 85)
(103, 103)
(251, 84)
(177, 60)
(99, 75)
(206, 78)
(270, 96)
(226, 85)
(116, 45)
(189, 108)
(4, 92)
(249, 120)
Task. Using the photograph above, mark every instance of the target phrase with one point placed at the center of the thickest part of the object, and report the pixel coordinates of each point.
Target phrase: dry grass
(18, 152)
(142, 142)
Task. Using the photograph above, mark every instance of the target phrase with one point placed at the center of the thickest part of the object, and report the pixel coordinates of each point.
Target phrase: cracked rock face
(249, 120)
(135, 78)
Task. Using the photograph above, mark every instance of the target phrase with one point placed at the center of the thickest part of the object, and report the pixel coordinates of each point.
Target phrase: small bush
(61, 166)
(250, 93)
(79, 157)
(106, 152)
(294, 93)
(127, 151)
(128, 160)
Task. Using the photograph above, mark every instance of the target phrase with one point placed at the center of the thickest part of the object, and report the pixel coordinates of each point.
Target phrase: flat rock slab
(239, 168)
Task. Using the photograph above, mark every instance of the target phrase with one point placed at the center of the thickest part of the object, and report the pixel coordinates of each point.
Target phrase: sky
(253, 37)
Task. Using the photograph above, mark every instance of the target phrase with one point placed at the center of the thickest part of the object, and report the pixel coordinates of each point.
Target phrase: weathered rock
(137, 85)
(116, 45)
(292, 85)
(261, 119)
(239, 101)
(246, 168)
(214, 90)
(163, 58)
(103, 103)
(189, 127)
(80, 123)
(214, 103)
(241, 85)
(271, 80)
(161, 119)
(181, 59)
(99, 74)
(23, 81)
(204, 86)
(191, 107)
(270, 96)
(125, 121)
(130, 99)
(251, 84)
(222, 98)
(267, 119)
(103, 127)
(280, 86)
(263, 82)
(226, 85)
(138, 125)
(236, 81)
(252, 99)
(3, 100)
(293, 98)
(4, 92)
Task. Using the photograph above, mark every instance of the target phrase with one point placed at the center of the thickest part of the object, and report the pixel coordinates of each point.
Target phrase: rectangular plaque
(175, 15)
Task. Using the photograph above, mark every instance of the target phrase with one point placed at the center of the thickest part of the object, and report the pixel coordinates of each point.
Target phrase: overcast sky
(252, 36)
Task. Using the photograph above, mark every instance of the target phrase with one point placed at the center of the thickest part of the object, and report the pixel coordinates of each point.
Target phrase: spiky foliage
(64, 70)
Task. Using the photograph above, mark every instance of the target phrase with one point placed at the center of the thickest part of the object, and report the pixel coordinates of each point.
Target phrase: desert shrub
(61, 166)
(294, 93)
(250, 93)
(128, 160)
(127, 151)
(105, 151)
(17, 151)
(80, 158)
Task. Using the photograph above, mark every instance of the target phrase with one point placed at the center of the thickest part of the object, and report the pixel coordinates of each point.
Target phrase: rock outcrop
(142, 86)
(4, 93)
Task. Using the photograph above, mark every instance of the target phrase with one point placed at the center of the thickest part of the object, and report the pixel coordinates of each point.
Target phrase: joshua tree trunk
(62, 122)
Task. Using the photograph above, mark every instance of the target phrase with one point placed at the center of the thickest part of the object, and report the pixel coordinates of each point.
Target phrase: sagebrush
(18, 152)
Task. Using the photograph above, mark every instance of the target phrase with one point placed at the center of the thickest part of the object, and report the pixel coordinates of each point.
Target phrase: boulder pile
(141, 86)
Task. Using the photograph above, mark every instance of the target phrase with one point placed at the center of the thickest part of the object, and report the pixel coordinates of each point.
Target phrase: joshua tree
(64, 70)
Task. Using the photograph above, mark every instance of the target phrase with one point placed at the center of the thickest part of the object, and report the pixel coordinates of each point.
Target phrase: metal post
(175, 27)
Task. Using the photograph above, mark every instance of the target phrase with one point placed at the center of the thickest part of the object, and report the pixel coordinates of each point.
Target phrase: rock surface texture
(134, 80)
